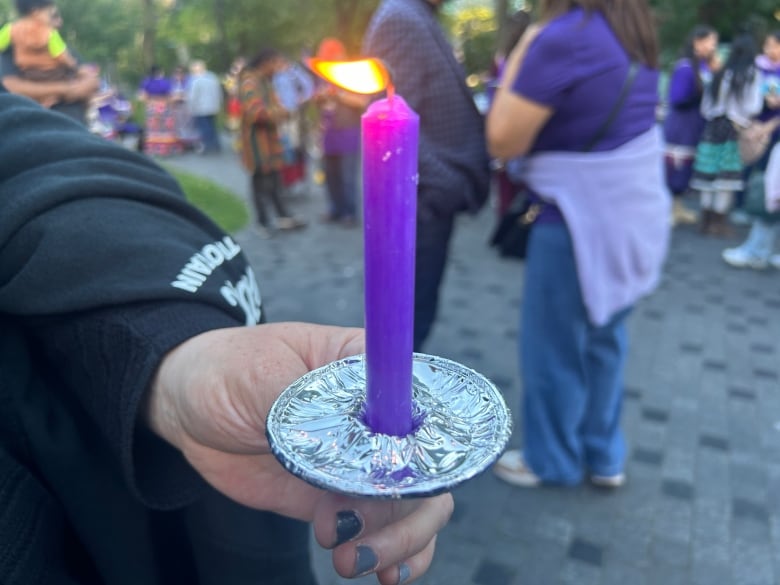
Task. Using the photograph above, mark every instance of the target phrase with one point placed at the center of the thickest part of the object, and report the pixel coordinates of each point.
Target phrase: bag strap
(629, 81)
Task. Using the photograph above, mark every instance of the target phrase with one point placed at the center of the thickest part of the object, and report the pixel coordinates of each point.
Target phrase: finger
(387, 534)
(409, 570)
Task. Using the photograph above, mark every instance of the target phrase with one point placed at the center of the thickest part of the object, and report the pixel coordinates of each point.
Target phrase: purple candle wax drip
(390, 142)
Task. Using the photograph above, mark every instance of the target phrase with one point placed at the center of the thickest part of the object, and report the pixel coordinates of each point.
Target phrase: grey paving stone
(623, 574)
(765, 373)
(762, 348)
(539, 566)
(492, 573)
(665, 574)
(632, 393)
(667, 552)
(747, 510)
(587, 552)
(655, 415)
(738, 328)
(677, 489)
(713, 442)
(550, 527)
(710, 573)
(715, 365)
(578, 573)
(752, 563)
(648, 456)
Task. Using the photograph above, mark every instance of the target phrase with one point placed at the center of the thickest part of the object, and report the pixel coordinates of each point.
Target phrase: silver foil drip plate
(316, 429)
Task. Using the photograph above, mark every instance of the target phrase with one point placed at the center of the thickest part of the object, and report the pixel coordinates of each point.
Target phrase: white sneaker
(608, 481)
(775, 261)
(740, 258)
(512, 469)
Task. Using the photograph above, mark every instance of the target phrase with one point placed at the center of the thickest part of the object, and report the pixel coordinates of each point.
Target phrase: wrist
(158, 408)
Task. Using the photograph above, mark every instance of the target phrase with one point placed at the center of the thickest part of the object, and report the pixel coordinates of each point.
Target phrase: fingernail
(366, 560)
(348, 526)
(404, 572)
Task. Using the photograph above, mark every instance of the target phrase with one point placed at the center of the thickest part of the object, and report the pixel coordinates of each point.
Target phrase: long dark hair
(632, 21)
(740, 65)
(699, 32)
(516, 25)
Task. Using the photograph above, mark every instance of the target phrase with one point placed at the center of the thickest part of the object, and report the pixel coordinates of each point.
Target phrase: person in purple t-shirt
(340, 113)
(684, 123)
(603, 228)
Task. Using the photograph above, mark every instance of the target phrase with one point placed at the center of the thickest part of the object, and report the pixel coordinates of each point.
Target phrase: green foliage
(111, 32)
(678, 17)
(475, 30)
(223, 207)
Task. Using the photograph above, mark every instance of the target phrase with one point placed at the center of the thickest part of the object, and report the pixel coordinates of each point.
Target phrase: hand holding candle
(351, 426)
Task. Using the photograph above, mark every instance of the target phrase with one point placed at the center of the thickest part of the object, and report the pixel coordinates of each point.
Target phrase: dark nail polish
(348, 526)
(404, 572)
(366, 560)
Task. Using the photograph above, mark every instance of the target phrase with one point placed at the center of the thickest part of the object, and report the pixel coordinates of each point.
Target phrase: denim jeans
(341, 175)
(572, 371)
(761, 239)
(207, 130)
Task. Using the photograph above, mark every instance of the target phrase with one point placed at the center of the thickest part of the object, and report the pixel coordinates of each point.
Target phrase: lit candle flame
(363, 76)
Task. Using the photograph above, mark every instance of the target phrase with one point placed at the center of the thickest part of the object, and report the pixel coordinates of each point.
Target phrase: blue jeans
(572, 371)
(341, 175)
(207, 130)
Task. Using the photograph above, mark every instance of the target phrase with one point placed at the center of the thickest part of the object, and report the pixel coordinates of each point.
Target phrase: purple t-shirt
(341, 130)
(157, 86)
(577, 67)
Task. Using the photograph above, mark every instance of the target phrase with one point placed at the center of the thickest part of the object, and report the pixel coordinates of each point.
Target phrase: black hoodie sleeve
(108, 268)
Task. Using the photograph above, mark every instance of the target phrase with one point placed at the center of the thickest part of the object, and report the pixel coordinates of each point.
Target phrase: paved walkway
(702, 412)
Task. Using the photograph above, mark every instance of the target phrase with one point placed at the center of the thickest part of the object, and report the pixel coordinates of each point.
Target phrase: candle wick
(390, 92)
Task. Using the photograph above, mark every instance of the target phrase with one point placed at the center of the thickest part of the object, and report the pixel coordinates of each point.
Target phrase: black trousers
(267, 186)
(433, 240)
(234, 545)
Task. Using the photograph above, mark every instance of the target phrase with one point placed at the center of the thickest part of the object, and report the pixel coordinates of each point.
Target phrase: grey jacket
(454, 164)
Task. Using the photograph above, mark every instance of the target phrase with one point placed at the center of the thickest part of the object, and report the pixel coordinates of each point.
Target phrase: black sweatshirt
(104, 268)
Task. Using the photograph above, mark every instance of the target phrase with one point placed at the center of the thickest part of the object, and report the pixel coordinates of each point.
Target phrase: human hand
(210, 399)
(83, 87)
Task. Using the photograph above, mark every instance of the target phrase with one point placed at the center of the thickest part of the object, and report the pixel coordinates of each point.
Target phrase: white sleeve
(772, 180)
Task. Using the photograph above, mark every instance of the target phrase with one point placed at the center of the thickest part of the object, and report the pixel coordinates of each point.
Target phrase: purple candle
(390, 142)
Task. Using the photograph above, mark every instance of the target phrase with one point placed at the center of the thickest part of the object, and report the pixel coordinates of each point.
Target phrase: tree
(677, 17)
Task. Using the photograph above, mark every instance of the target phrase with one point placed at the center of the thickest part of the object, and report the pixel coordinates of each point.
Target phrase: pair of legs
(207, 130)
(717, 201)
(267, 186)
(433, 240)
(715, 208)
(572, 371)
(341, 176)
(756, 250)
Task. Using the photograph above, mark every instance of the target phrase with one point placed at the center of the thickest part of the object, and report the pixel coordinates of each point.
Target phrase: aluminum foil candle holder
(316, 429)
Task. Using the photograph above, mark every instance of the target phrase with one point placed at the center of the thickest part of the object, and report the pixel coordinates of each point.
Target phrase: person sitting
(40, 53)
(68, 96)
